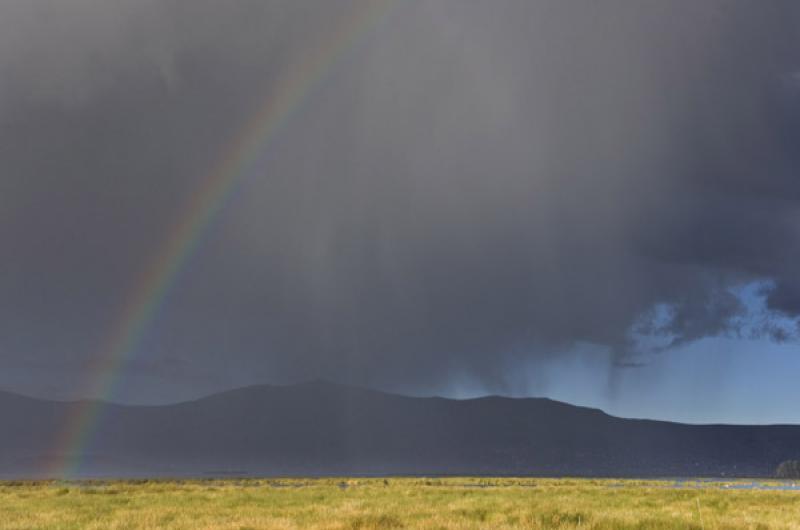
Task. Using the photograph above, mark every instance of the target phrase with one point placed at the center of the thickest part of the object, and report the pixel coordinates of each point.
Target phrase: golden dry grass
(451, 503)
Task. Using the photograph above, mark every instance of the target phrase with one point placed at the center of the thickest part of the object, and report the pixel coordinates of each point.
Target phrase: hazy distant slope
(322, 428)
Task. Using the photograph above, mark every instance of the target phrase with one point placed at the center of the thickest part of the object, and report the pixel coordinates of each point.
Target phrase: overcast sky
(597, 201)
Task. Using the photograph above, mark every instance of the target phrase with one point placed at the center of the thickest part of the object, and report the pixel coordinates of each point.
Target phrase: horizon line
(332, 383)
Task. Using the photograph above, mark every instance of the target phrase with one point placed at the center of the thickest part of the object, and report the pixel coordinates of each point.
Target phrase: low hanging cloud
(473, 186)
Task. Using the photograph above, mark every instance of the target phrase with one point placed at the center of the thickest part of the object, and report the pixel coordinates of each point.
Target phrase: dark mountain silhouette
(322, 428)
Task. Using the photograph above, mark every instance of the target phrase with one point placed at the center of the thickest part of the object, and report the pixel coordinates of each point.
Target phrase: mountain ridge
(325, 428)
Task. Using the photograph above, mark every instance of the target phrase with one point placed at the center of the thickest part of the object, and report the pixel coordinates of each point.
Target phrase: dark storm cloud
(476, 185)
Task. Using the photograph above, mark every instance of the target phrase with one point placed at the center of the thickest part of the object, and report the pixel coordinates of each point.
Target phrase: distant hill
(323, 428)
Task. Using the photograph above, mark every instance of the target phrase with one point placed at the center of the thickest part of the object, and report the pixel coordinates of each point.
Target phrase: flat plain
(379, 503)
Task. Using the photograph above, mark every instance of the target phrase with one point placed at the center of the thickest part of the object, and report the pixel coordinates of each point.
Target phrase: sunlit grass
(444, 503)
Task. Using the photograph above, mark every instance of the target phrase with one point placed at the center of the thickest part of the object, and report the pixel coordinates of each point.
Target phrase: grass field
(394, 503)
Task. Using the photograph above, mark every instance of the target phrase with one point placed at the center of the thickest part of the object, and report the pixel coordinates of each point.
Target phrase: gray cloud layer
(476, 184)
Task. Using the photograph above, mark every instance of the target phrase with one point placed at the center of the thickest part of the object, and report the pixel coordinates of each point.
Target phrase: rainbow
(194, 219)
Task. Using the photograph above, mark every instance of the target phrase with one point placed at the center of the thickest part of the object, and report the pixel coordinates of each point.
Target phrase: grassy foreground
(393, 503)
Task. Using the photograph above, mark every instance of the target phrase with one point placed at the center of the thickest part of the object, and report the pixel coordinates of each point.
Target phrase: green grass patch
(373, 504)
